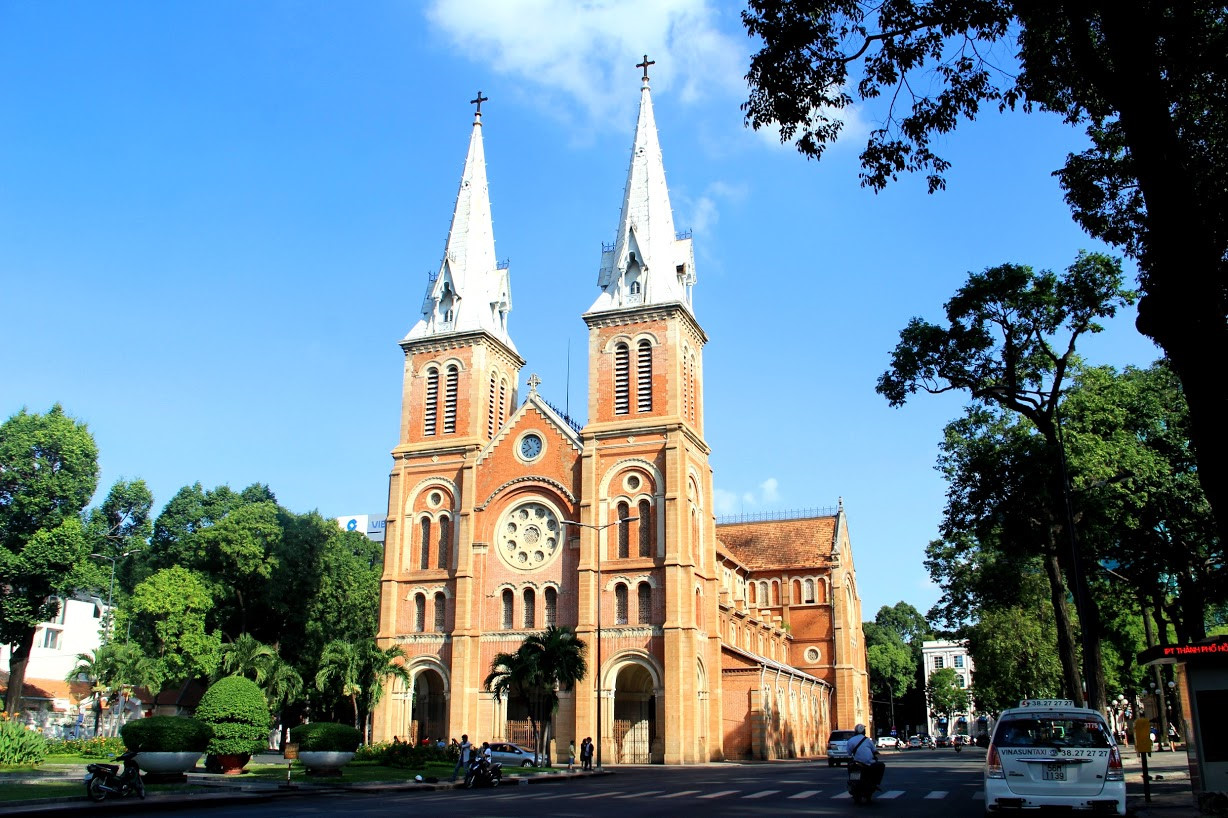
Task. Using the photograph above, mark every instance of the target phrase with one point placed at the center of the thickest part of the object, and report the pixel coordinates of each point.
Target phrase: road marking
(805, 794)
(551, 797)
(679, 794)
(639, 794)
(892, 794)
(599, 795)
(842, 795)
(720, 794)
(761, 794)
(937, 794)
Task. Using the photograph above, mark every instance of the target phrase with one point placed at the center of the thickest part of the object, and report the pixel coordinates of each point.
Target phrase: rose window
(530, 536)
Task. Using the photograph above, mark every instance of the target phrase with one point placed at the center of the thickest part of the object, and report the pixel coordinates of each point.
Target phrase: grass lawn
(58, 788)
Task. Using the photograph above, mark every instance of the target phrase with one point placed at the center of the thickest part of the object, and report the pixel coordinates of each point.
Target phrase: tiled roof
(777, 544)
(48, 688)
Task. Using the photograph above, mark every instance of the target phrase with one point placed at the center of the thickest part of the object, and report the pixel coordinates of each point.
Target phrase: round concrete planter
(324, 762)
(167, 767)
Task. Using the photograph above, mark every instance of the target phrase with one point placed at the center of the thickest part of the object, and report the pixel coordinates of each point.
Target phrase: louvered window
(530, 608)
(507, 609)
(492, 407)
(424, 555)
(643, 378)
(644, 603)
(441, 602)
(419, 613)
(432, 401)
(449, 410)
(552, 607)
(645, 526)
(445, 542)
(622, 377)
(502, 401)
(620, 605)
(623, 534)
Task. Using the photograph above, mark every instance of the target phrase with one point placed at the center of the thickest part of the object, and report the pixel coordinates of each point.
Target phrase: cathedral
(705, 641)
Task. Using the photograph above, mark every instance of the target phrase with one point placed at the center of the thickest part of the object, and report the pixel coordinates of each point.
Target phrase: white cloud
(769, 490)
(853, 134)
(762, 498)
(726, 502)
(702, 213)
(585, 52)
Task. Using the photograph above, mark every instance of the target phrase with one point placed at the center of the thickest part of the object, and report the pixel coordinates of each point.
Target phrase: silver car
(512, 755)
(1049, 753)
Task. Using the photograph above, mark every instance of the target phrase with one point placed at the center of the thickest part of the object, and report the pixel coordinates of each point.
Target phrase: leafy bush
(404, 754)
(237, 711)
(98, 747)
(326, 736)
(19, 745)
(167, 734)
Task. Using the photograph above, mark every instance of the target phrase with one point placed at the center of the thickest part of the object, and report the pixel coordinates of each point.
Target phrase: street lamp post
(111, 592)
(600, 529)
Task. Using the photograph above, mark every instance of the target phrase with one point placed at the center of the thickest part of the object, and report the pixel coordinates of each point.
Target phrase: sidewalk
(1171, 796)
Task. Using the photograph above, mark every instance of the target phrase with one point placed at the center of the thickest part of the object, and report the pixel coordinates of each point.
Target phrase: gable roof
(777, 544)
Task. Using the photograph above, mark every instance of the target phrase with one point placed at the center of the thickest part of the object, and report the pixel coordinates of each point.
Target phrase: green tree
(48, 472)
(1148, 81)
(168, 611)
(378, 666)
(893, 653)
(944, 694)
(1009, 342)
(239, 549)
(341, 665)
(246, 656)
(544, 664)
(283, 687)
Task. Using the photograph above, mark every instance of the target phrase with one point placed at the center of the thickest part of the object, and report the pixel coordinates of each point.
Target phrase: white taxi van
(1049, 753)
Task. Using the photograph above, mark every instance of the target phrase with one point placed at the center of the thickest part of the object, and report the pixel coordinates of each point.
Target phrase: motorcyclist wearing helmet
(862, 748)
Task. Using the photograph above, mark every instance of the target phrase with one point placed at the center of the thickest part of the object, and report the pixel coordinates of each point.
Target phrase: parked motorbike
(102, 780)
(483, 773)
(863, 780)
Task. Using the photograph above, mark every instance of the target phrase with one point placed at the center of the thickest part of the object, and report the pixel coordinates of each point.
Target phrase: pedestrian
(571, 755)
(462, 760)
(586, 754)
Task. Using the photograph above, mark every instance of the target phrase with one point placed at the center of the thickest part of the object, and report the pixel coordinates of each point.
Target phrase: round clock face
(530, 446)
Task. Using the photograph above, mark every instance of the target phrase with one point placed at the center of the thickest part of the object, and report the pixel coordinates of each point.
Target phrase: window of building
(51, 639)
(445, 541)
(552, 607)
(492, 406)
(61, 610)
(938, 663)
(502, 401)
(622, 379)
(419, 613)
(441, 603)
(620, 605)
(643, 377)
(507, 609)
(530, 608)
(424, 555)
(645, 526)
(624, 511)
(451, 386)
(959, 661)
(644, 603)
(808, 590)
(959, 680)
(432, 401)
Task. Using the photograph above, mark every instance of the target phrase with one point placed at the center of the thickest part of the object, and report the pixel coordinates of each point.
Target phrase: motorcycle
(959, 745)
(102, 780)
(863, 780)
(483, 773)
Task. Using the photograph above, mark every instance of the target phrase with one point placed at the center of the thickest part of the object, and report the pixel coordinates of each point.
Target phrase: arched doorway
(430, 707)
(635, 715)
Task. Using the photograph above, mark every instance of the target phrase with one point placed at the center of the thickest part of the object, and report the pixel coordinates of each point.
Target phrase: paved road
(918, 783)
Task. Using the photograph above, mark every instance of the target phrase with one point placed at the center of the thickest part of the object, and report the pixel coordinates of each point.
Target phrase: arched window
(419, 613)
(530, 608)
(552, 607)
(424, 554)
(645, 526)
(699, 608)
(750, 594)
(620, 604)
(643, 377)
(492, 406)
(775, 592)
(445, 542)
(449, 406)
(622, 379)
(624, 511)
(795, 592)
(808, 590)
(507, 609)
(502, 401)
(432, 401)
(644, 603)
(441, 603)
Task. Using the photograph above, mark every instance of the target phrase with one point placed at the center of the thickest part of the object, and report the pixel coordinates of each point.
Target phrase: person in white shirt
(862, 748)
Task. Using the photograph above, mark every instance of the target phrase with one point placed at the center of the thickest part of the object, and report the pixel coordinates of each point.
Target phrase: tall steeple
(648, 262)
(471, 292)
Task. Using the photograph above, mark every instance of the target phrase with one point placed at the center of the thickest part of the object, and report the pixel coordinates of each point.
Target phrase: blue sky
(216, 221)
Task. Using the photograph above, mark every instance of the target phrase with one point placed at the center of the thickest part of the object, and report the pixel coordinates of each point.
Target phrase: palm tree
(246, 656)
(283, 686)
(544, 664)
(380, 665)
(341, 661)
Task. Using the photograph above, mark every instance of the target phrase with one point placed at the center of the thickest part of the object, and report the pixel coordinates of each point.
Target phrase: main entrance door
(634, 716)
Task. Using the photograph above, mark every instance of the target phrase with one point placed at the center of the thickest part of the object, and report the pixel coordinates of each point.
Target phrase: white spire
(648, 263)
(471, 291)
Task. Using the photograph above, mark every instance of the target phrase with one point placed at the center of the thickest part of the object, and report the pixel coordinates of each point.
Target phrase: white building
(939, 654)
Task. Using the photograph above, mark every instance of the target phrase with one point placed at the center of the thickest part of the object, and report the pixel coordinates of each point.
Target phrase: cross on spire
(480, 99)
(647, 62)
(533, 382)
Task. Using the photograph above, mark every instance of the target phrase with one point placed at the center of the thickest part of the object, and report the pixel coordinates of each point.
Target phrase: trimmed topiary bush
(236, 710)
(166, 734)
(325, 736)
(19, 745)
